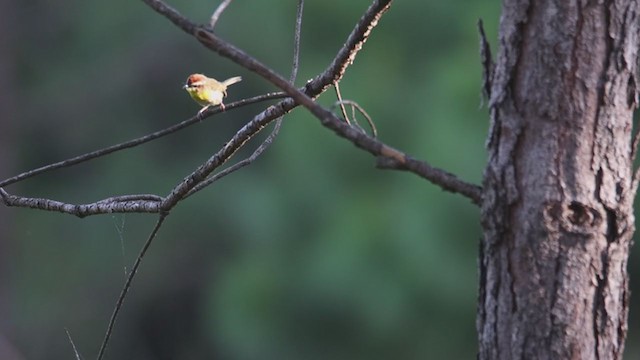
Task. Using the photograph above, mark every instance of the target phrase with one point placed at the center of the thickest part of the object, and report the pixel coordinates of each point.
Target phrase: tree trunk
(558, 189)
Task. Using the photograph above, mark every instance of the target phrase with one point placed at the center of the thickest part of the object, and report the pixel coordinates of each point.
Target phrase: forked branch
(360, 34)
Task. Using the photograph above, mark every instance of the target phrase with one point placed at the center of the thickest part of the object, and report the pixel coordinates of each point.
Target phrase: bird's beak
(185, 87)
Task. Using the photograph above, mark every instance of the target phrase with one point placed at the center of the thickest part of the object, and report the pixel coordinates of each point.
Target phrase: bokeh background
(310, 253)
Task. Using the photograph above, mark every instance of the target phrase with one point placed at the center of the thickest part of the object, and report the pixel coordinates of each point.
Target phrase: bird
(208, 91)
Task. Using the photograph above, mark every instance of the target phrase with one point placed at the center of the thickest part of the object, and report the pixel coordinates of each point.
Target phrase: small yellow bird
(208, 91)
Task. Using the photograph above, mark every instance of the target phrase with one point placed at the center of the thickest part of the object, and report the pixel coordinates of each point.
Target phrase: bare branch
(239, 165)
(123, 204)
(402, 161)
(216, 14)
(123, 198)
(127, 284)
(445, 180)
(137, 141)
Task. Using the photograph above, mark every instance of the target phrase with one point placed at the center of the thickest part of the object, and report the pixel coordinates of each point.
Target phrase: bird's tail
(232, 81)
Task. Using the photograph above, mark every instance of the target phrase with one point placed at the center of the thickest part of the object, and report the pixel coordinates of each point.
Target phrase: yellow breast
(204, 96)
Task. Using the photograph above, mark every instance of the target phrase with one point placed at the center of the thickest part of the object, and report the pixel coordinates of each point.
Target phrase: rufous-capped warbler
(207, 91)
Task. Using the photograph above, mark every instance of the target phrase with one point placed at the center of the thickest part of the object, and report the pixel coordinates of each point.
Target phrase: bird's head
(195, 81)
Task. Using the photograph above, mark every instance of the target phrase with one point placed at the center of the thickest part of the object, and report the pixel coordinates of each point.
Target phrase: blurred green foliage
(310, 253)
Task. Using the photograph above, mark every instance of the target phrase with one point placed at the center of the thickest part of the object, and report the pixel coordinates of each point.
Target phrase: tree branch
(446, 180)
(119, 204)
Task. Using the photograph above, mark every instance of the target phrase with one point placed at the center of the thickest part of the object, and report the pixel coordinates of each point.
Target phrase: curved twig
(216, 14)
(355, 105)
(336, 86)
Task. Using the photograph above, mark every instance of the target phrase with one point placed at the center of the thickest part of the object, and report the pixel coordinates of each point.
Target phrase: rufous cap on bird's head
(195, 80)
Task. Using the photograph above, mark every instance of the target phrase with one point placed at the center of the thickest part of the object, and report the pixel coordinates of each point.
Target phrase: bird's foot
(201, 112)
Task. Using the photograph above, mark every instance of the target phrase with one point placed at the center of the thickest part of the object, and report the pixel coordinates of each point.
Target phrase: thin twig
(127, 284)
(296, 43)
(336, 86)
(73, 345)
(361, 110)
(216, 14)
(138, 141)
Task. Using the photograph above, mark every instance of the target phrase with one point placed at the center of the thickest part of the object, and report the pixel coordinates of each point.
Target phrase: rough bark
(558, 191)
